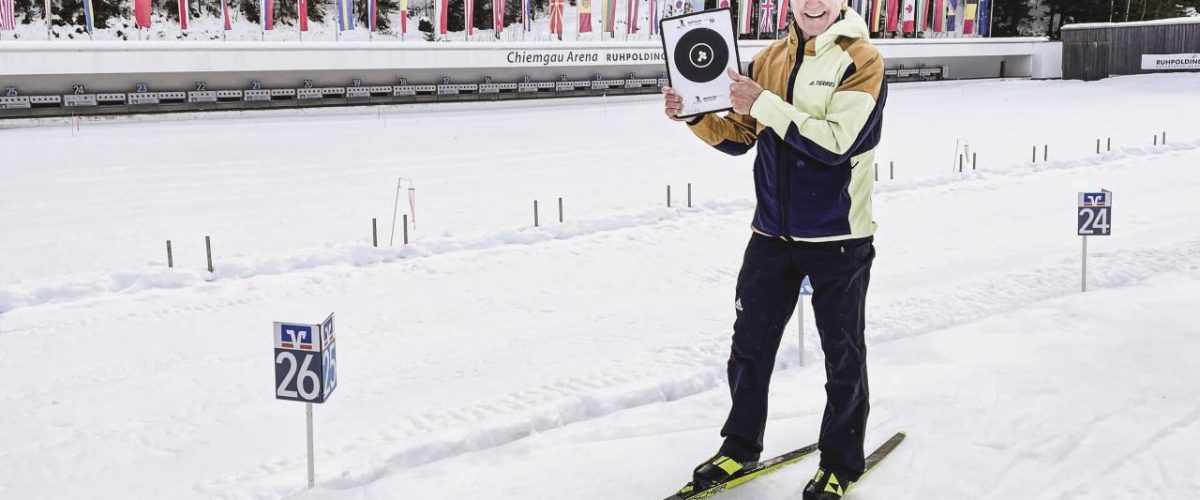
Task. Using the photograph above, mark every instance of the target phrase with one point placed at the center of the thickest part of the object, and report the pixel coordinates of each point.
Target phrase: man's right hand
(673, 104)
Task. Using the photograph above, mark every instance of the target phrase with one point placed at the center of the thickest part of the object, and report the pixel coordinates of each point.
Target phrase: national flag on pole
(631, 17)
(723, 4)
(443, 11)
(498, 16)
(910, 17)
(469, 16)
(372, 14)
(923, 15)
(556, 18)
(939, 16)
(951, 13)
(8, 15)
(608, 15)
(89, 16)
(653, 18)
(183, 14)
(969, 13)
(302, 9)
(767, 8)
(745, 20)
(893, 15)
(345, 10)
(876, 15)
(781, 15)
(141, 13)
(525, 15)
(985, 18)
(585, 16)
(267, 14)
(225, 14)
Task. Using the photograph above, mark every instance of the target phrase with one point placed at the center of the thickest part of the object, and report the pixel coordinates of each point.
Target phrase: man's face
(816, 16)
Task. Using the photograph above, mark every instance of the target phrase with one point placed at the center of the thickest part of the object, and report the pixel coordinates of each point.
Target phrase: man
(813, 105)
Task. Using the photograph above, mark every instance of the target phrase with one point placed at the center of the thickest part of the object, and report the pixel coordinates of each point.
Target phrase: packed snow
(585, 359)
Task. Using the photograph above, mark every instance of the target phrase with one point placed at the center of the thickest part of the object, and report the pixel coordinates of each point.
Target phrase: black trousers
(767, 290)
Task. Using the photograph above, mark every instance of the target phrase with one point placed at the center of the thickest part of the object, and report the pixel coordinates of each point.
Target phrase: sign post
(805, 290)
(297, 348)
(1094, 219)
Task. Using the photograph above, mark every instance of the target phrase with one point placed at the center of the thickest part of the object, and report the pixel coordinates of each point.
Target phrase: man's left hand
(743, 92)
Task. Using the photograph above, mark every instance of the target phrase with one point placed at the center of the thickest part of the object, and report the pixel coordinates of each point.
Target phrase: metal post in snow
(668, 196)
(405, 229)
(1035, 154)
(689, 195)
(1083, 287)
(974, 158)
(208, 250)
(535, 213)
(1097, 145)
(960, 163)
(1046, 152)
(891, 170)
(170, 257)
(312, 476)
(560, 210)
(1109, 147)
(374, 234)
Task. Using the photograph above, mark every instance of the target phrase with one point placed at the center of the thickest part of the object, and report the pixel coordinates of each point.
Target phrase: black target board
(700, 47)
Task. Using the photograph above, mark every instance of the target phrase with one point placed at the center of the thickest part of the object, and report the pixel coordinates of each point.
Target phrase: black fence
(1100, 51)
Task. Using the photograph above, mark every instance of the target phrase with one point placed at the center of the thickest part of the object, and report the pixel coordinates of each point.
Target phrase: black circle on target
(701, 55)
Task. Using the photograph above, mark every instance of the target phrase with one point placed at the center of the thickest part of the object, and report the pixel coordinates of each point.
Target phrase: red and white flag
(745, 19)
(8, 15)
(183, 14)
(443, 11)
(910, 16)
(556, 18)
(585, 16)
(469, 16)
(781, 15)
(631, 17)
(893, 15)
(225, 12)
(302, 8)
(498, 16)
(403, 16)
(141, 13)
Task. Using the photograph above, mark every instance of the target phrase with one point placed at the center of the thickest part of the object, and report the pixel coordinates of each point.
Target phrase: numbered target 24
(305, 361)
(1095, 214)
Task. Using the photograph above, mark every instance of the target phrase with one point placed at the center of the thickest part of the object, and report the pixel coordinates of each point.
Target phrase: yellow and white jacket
(816, 126)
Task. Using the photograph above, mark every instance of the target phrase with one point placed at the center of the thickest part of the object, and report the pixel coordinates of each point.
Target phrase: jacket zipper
(782, 194)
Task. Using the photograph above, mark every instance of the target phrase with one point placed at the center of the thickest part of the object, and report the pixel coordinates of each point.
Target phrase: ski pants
(768, 288)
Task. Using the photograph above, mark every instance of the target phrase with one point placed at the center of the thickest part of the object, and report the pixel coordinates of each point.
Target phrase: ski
(743, 477)
(774, 464)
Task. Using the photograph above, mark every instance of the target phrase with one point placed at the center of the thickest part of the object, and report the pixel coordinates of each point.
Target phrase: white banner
(1170, 61)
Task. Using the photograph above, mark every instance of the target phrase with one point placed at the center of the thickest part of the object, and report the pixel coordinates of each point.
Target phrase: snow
(1156, 22)
(586, 359)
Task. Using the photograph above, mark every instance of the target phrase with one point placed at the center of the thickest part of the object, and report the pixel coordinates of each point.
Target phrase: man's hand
(673, 103)
(743, 92)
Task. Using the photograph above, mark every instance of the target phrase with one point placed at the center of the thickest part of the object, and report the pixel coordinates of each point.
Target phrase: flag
(498, 15)
(781, 15)
(969, 13)
(631, 17)
(876, 15)
(469, 16)
(939, 16)
(608, 15)
(266, 14)
(525, 15)
(910, 17)
(89, 16)
(653, 18)
(183, 14)
(302, 8)
(764, 21)
(225, 13)
(744, 17)
(923, 15)
(443, 10)
(556, 18)
(141, 13)
(893, 15)
(985, 18)
(8, 15)
(345, 10)
(585, 16)
(372, 14)
(723, 4)
(951, 12)
(403, 17)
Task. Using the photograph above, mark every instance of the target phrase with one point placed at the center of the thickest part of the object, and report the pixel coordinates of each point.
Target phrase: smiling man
(813, 105)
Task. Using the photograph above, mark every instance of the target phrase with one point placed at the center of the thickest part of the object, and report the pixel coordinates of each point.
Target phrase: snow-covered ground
(586, 359)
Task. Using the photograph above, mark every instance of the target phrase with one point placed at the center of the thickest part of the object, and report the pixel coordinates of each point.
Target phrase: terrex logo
(822, 83)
